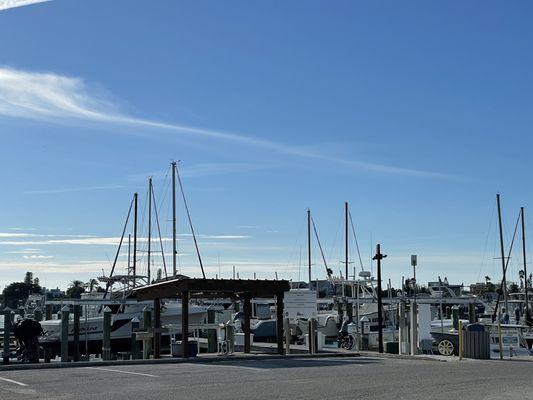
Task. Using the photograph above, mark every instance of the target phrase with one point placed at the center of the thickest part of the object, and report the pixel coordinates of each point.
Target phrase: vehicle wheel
(348, 342)
(445, 347)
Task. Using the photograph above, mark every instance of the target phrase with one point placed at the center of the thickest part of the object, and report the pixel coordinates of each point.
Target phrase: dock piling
(135, 354)
(65, 311)
(147, 325)
(7, 336)
(76, 339)
(106, 345)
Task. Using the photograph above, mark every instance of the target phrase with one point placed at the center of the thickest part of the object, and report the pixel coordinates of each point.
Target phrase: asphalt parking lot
(339, 378)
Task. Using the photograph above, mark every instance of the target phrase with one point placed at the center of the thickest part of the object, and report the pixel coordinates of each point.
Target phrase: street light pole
(378, 257)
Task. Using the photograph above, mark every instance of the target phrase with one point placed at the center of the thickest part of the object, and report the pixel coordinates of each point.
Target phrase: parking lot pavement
(364, 377)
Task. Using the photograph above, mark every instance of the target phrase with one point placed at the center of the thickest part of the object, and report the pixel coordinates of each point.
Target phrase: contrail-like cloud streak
(6, 4)
(55, 98)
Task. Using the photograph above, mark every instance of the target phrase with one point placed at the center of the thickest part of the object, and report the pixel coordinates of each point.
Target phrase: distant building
(54, 293)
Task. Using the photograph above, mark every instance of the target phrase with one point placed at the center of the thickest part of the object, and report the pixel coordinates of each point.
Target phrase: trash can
(476, 342)
(176, 348)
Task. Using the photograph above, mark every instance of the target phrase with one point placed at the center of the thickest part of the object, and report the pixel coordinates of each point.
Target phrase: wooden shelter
(236, 289)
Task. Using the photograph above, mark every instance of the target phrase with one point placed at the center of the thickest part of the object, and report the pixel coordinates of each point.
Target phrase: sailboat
(124, 307)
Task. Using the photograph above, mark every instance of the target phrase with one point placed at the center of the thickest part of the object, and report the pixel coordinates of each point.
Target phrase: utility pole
(525, 263)
(135, 197)
(309, 245)
(378, 257)
(174, 270)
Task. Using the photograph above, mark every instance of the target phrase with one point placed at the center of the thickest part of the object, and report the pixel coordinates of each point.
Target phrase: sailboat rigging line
(159, 232)
(328, 271)
(119, 246)
(356, 243)
(505, 269)
(190, 221)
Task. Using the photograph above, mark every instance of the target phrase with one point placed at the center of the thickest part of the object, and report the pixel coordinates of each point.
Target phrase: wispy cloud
(21, 229)
(53, 97)
(37, 257)
(39, 235)
(85, 240)
(75, 189)
(24, 251)
(6, 4)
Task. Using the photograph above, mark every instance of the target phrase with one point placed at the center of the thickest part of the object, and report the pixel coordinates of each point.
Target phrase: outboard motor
(27, 332)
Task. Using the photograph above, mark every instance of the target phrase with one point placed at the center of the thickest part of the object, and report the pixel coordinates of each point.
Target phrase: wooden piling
(135, 353)
(65, 311)
(7, 336)
(147, 326)
(106, 345)
(76, 338)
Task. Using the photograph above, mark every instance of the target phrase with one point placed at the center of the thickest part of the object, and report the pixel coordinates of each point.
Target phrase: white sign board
(300, 304)
(510, 341)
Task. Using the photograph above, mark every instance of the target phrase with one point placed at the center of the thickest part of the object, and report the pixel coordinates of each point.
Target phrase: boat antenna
(190, 220)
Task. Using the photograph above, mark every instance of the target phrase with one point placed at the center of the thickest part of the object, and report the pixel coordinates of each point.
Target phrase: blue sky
(416, 114)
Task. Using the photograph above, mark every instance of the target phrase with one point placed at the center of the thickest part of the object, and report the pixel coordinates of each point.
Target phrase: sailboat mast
(346, 240)
(129, 254)
(504, 282)
(309, 244)
(149, 225)
(174, 270)
(522, 214)
(135, 198)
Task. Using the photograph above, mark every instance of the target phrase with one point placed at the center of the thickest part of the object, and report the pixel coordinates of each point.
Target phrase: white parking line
(122, 372)
(12, 381)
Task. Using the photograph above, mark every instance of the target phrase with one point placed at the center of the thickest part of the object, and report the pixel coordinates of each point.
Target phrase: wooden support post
(135, 353)
(279, 322)
(64, 333)
(7, 336)
(349, 311)
(460, 337)
(246, 328)
(413, 326)
(106, 344)
(48, 312)
(311, 336)
(211, 333)
(287, 329)
(147, 326)
(76, 338)
(157, 328)
(472, 318)
(185, 324)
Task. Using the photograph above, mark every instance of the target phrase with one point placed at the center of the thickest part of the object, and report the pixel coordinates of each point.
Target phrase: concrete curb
(196, 360)
(400, 356)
